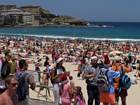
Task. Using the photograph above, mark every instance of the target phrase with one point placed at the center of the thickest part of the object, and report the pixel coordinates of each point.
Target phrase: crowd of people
(103, 65)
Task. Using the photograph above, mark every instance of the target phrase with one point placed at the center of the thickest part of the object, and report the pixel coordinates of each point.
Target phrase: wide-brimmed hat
(116, 58)
(59, 60)
(94, 58)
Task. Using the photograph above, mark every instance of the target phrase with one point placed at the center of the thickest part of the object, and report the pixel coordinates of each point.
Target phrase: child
(37, 69)
(72, 87)
(79, 99)
(65, 90)
(45, 80)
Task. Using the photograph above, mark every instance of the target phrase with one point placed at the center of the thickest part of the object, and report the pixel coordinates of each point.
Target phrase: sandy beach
(72, 51)
(133, 92)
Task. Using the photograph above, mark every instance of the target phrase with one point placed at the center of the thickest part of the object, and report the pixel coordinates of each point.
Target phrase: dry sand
(133, 92)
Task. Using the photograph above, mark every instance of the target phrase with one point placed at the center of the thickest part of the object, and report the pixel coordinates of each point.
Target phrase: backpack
(22, 88)
(5, 69)
(103, 81)
(125, 81)
(55, 73)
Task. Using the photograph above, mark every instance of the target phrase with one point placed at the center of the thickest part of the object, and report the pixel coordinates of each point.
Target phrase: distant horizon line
(115, 21)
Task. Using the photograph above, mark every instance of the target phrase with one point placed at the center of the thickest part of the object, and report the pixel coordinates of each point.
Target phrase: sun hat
(94, 58)
(59, 60)
(116, 58)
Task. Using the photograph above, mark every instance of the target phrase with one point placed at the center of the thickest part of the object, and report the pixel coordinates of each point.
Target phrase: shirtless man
(9, 96)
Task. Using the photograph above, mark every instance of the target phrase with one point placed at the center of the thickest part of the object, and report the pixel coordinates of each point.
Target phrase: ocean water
(97, 30)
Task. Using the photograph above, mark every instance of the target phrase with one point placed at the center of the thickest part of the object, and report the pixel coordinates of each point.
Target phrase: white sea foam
(66, 37)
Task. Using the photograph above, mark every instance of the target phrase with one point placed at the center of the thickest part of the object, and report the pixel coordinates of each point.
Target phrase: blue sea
(96, 30)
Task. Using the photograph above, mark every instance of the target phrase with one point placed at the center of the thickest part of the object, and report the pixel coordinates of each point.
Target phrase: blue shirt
(111, 75)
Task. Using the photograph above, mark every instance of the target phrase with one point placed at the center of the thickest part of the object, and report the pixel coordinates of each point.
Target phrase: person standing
(90, 74)
(79, 98)
(118, 66)
(107, 97)
(56, 80)
(8, 97)
(25, 80)
(65, 96)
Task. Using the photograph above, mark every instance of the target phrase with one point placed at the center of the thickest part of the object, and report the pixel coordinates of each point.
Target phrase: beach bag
(58, 79)
(22, 88)
(5, 69)
(103, 81)
(125, 82)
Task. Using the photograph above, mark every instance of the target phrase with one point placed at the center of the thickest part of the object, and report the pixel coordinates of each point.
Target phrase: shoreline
(47, 25)
(45, 36)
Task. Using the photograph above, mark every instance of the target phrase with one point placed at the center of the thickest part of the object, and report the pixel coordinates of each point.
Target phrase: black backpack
(103, 81)
(5, 69)
(22, 88)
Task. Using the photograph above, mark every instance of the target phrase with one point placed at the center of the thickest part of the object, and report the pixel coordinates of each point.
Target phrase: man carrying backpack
(106, 86)
(120, 90)
(90, 73)
(25, 79)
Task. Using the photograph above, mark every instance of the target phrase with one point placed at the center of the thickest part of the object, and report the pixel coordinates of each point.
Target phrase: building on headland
(35, 11)
(7, 7)
(31, 9)
(1, 20)
(16, 17)
(10, 15)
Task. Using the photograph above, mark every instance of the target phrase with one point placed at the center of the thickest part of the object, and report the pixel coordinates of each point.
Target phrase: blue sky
(93, 10)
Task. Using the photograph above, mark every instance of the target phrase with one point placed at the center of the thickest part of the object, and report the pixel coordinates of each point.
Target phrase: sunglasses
(14, 84)
(118, 61)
